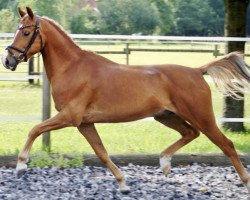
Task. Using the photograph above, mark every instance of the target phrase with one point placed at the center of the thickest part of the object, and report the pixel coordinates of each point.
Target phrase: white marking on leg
(165, 164)
(21, 166)
(165, 161)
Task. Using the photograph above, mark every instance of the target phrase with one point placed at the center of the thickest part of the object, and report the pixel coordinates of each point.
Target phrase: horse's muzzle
(9, 62)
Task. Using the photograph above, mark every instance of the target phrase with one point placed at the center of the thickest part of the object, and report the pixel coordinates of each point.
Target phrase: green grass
(123, 138)
(21, 99)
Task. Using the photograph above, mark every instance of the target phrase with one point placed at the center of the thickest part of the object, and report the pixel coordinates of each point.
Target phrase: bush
(42, 159)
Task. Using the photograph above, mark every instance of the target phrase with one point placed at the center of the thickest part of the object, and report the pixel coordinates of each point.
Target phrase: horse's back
(180, 74)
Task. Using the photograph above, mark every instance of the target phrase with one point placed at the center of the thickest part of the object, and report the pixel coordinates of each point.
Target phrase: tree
(7, 21)
(235, 26)
(9, 4)
(166, 24)
(198, 18)
(49, 8)
(248, 21)
(216, 19)
(83, 22)
(127, 17)
(8, 15)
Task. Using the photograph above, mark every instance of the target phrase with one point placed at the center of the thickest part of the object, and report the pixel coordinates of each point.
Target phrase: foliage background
(160, 17)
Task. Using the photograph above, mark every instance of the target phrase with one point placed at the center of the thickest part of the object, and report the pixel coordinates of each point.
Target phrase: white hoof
(124, 189)
(248, 186)
(165, 164)
(21, 168)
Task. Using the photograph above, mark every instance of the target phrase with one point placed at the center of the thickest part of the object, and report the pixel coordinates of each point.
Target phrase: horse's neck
(61, 55)
(59, 51)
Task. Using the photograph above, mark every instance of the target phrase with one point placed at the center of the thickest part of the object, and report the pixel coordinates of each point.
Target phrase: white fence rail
(148, 38)
(125, 39)
(20, 78)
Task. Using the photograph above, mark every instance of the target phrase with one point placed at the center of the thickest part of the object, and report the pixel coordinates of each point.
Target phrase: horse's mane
(59, 28)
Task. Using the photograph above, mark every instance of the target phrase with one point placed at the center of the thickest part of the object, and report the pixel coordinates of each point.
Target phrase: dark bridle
(23, 53)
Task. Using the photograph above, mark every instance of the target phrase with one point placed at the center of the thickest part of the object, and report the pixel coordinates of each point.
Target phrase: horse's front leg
(91, 135)
(56, 122)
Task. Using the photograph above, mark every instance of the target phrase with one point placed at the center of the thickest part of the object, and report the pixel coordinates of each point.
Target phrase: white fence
(148, 38)
(126, 40)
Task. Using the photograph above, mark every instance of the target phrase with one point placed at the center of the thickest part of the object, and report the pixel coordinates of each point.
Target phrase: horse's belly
(100, 117)
(123, 112)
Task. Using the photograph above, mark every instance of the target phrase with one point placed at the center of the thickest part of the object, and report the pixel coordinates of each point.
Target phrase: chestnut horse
(88, 88)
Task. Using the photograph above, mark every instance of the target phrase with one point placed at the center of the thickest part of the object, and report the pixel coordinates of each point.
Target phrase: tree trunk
(235, 26)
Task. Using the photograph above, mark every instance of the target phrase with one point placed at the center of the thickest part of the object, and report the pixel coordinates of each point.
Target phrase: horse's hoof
(166, 170)
(20, 169)
(125, 189)
(248, 186)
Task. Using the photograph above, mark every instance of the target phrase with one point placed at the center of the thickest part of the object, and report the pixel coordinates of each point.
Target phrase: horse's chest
(60, 100)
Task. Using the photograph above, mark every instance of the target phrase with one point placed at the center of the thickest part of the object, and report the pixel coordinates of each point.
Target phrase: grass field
(21, 99)
(133, 137)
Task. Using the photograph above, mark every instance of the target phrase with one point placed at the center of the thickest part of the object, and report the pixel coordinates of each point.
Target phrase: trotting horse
(88, 89)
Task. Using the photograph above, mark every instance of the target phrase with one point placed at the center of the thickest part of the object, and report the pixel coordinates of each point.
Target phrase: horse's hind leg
(201, 116)
(91, 135)
(226, 145)
(186, 130)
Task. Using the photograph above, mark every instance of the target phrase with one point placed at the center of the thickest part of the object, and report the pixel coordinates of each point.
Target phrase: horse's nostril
(7, 62)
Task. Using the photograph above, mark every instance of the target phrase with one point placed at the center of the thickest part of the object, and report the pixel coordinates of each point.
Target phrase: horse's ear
(21, 12)
(30, 12)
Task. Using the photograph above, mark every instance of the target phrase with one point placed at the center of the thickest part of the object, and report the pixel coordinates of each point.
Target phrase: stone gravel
(196, 182)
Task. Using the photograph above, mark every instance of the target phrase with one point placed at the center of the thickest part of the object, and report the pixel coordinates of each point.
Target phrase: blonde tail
(230, 73)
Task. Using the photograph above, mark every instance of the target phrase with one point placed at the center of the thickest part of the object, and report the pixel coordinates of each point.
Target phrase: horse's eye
(26, 33)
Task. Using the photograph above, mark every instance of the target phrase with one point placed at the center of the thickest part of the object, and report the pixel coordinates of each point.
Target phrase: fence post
(46, 144)
(31, 69)
(127, 53)
(38, 69)
(216, 51)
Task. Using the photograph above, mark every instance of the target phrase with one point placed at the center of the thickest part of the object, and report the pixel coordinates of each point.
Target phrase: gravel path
(194, 182)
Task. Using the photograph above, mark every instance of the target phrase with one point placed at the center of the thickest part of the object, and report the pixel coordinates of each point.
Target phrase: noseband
(23, 53)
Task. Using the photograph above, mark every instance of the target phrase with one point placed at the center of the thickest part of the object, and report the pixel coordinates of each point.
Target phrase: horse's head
(27, 40)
